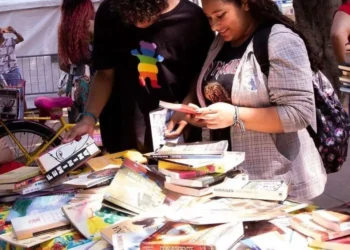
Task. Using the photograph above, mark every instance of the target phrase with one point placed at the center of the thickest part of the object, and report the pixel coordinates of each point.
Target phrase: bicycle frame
(32, 157)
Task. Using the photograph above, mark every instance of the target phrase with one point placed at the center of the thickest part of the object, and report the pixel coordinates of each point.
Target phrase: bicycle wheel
(32, 135)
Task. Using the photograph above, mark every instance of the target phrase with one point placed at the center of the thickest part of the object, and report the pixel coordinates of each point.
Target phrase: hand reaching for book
(85, 126)
(177, 122)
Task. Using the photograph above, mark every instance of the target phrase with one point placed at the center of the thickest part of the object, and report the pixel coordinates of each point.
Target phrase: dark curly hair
(133, 11)
(266, 12)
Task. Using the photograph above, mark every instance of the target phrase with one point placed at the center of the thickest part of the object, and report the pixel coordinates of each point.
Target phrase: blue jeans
(13, 77)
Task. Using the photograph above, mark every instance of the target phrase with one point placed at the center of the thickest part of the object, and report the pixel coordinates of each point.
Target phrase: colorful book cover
(89, 218)
(186, 236)
(4, 211)
(27, 243)
(115, 160)
(29, 206)
(134, 191)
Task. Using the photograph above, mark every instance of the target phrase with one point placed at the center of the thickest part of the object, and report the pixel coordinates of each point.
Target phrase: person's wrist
(88, 117)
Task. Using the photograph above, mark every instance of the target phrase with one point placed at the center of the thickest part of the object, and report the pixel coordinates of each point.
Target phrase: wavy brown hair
(73, 33)
(133, 11)
(267, 13)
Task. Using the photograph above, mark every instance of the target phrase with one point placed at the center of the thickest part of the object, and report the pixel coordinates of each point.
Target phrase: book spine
(147, 246)
(189, 156)
(28, 181)
(189, 174)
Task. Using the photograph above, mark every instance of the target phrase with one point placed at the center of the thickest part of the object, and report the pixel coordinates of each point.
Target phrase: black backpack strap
(261, 48)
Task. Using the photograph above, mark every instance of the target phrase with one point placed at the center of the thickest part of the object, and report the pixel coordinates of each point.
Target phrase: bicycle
(43, 138)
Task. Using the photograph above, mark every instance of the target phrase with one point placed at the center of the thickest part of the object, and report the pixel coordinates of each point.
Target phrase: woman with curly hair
(269, 111)
(75, 35)
(144, 51)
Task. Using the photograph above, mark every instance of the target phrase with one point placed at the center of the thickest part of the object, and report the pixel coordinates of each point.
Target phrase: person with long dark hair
(340, 31)
(75, 36)
(268, 114)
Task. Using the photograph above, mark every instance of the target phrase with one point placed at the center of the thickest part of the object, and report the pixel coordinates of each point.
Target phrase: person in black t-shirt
(144, 51)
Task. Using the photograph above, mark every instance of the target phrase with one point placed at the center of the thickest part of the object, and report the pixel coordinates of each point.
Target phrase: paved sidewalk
(337, 189)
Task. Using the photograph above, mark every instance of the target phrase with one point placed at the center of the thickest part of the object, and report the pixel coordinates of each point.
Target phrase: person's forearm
(19, 37)
(100, 90)
(264, 120)
(192, 95)
(338, 43)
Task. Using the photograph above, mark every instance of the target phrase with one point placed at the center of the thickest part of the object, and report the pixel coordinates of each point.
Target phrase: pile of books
(344, 78)
(195, 168)
(326, 229)
(117, 201)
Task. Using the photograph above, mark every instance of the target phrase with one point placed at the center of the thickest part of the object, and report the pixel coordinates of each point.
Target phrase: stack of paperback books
(195, 168)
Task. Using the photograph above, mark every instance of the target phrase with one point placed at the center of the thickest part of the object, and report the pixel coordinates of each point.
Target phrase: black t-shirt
(218, 79)
(152, 64)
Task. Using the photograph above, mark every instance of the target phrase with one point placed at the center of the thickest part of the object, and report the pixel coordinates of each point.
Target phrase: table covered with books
(183, 196)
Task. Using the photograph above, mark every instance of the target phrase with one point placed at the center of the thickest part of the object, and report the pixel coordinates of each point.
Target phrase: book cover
(19, 174)
(229, 161)
(227, 210)
(33, 225)
(182, 174)
(89, 218)
(29, 206)
(34, 187)
(241, 187)
(182, 235)
(271, 240)
(332, 220)
(115, 160)
(193, 191)
(178, 107)
(28, 182)
(27, 243)
(130, 241)
(304, 224)
(117, 208)
(134, 191)
(159, 120)
(336, 244)
(70, 240)
(147, 221)
(202, 181)
(67, 157)
(214, 149)
(92, 179)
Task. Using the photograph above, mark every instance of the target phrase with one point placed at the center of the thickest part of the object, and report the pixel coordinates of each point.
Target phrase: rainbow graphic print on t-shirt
(148, 63)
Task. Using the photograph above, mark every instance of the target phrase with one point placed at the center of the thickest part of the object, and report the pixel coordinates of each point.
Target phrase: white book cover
(28, 226)
(132, 240)
(241, 187)
(27, 243)
(159, 120)
(92, 179)
(62, 159)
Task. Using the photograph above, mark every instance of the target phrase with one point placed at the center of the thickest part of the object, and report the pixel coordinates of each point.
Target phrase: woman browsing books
(265, 117)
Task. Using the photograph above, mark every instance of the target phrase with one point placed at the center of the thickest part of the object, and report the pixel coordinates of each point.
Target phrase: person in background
(266, 116)
(8, 63)
(75, 37)
(144, 51)
(340, 31)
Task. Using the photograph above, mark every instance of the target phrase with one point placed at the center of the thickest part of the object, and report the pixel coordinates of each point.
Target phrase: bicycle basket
(12, 102)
